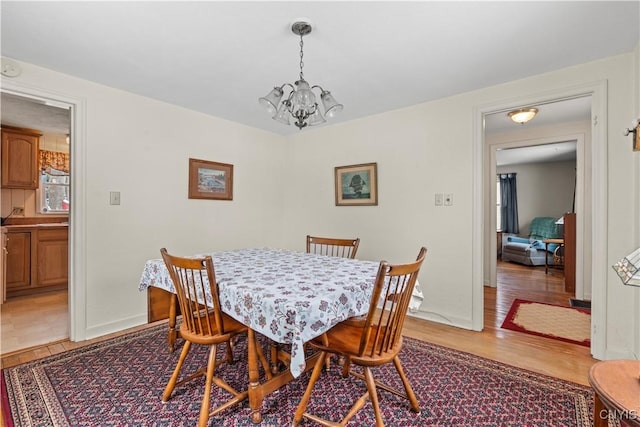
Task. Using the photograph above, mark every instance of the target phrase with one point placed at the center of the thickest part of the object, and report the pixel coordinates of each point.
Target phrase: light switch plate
(114, 198)
(439, 198)
(448, 199)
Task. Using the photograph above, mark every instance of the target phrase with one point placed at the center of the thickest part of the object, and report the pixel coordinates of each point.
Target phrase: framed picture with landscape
(210, 180)
(357, 185)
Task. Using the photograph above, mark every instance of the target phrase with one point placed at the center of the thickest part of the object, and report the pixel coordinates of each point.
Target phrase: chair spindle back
(395, 283)
(194, 279)
(343, 248)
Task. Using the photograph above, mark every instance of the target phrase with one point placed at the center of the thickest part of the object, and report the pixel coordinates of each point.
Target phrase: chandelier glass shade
(301, 103)
(628, 268)
(523, 115)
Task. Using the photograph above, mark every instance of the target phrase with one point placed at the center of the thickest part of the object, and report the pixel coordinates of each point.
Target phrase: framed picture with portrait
(357, 185)
(210, 180)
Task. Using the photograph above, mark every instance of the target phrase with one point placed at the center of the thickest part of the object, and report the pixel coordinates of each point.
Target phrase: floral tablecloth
(291, 297)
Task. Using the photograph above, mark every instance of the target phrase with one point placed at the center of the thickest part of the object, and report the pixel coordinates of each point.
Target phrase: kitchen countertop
(44, 225)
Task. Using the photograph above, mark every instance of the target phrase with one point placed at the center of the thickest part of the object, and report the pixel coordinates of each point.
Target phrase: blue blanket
(544, 227)
(535, 243)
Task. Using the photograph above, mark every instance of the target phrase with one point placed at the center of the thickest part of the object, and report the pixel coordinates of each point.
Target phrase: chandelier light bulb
(303, 95)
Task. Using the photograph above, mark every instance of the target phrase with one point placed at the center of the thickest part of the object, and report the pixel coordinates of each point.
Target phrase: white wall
(284, 189)
(635, 189)
(427, 149)
(141, 148)
(544, 189)
(417, 157)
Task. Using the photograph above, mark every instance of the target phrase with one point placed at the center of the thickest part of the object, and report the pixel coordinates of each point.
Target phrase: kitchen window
(54, 191)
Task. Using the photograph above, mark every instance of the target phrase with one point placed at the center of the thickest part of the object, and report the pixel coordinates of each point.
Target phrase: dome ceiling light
(522, 115)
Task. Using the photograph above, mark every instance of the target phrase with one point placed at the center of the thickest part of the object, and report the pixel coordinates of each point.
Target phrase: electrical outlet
(439, 198)
(18, 211)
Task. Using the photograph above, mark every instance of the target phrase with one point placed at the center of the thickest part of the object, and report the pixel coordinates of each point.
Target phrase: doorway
(545, 176)
(545, 179)
(562, 135)
(594, 219)
(37, 311)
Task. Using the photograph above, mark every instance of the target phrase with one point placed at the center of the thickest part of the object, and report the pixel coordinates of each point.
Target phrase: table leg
(255, 390)
(172, 336)
(546, 264)
(600, 414)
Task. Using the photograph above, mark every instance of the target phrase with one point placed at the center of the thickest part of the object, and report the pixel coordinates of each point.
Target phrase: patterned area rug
(569, 324)
(120, 382)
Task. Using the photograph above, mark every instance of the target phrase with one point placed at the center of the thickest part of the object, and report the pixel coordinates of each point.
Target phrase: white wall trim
(119, 325)
(77, 215)
(478, 221)
(598, 91)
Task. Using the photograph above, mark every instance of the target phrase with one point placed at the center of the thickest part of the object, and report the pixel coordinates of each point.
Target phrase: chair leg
(373, 395)
(407, 386)
(346, 366)
(302, 406)
(275, 349)
(174, 377)
(263, 360)
(211, 367)
(325, 342)
(229, 352)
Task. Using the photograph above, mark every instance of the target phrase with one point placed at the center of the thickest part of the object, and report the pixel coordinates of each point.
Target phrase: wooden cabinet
(52, 257)
(3, 266)
(20, 158)
(18, 260)
(36, 259)
(570, 252)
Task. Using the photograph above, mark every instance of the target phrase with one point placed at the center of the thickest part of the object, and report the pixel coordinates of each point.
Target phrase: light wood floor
(547, 356)
(29, 321)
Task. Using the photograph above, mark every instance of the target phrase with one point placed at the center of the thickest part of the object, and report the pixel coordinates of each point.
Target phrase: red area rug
(120, 382)
(569, 324)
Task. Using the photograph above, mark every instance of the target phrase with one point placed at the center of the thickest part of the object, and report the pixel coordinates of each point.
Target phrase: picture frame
(636, 138)
(210, 180)
(357, 185)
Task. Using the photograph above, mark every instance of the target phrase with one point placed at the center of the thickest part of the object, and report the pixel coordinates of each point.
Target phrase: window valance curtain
(55, 160)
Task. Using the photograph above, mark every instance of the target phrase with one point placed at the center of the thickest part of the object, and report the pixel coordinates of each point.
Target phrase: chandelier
(300, 104)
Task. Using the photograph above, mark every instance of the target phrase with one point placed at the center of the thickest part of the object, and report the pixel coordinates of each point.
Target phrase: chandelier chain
(301, 57)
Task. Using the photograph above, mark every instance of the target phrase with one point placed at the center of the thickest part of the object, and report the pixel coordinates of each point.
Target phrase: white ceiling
(220, 57)
(27, 113)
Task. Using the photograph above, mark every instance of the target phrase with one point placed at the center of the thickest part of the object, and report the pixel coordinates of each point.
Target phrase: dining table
(288, 296)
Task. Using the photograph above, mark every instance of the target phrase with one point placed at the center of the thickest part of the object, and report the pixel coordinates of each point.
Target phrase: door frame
(77, 283)
(598, 162)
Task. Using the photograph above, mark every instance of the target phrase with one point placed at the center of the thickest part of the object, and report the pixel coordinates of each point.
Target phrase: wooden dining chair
(370, 341)
(203, 325)
(344, 248)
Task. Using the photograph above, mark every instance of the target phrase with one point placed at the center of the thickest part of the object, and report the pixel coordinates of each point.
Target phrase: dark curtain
(509, 203)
